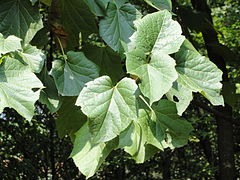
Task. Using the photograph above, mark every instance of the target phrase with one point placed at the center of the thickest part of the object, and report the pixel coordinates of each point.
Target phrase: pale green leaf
(198, 73)
(76, 17)
(9, 44)
(19, 18)
(110, 108)
(33, 57)
(108, 61)
(49, 95)
(16, 84)
(181, 95)
(70, 75)
(156, 37)
(158, 32)
(156, 75)
(70, 117)
(160, 4)
(117, 26)
(87, 156)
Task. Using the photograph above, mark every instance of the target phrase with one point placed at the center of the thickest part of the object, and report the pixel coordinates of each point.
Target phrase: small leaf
(117, 26)
(9, 44)
(110, 109)
(16, 84)
(198, 73)
(87, 156)
(71, 74)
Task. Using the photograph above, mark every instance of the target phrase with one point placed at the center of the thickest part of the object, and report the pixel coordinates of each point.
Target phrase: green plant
(117, 79)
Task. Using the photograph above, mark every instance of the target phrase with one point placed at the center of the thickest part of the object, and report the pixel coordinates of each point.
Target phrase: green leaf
(198, 73)
(158, 32)
(76, 17)
(9, 44)
(19, 18)
(117, 27)
(70, 117)
(108, 61)
(47, 2)
(98, 7)
(110, 109)
(156, 37)
(71, 74)
(183, 97)
(168, 126)
(160, 4)
(156, 76)
(16, 84)
(33, 57)
(87, 156)
(49, 95)
(134, 141)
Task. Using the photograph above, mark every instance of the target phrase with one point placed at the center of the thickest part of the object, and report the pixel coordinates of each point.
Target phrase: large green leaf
(76, 17)
(16, 84)
(9, 44)
(98, 7)
(71, 74)
(160, 4)
(156, 76)
(87, 156)
(70, 117)
(156, 37)
(19, 18)
(110, 108)
(33, 57)
(198, 73)
(108, 61)
(49, 95)
(117, 27)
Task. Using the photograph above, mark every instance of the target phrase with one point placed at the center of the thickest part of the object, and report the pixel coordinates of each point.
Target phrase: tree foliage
(110, 73)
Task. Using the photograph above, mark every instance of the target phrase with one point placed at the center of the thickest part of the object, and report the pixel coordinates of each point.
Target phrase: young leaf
(156, 37)
(110, 109)
(87, 156)
(71, 74)
(16, 84)
(19, 18)
(117, 27)
(9, 44)
(198, 73)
